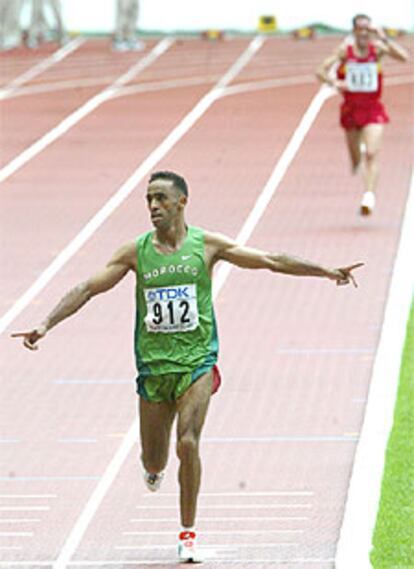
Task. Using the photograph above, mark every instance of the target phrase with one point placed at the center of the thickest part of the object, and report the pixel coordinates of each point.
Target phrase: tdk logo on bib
(171, 309)
(170, 293)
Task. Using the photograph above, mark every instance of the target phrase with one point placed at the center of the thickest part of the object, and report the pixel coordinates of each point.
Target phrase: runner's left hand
(344, 276)
(379, 32)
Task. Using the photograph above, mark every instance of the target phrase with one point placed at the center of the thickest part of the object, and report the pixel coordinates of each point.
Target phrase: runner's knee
(187, 446)
(370, 155)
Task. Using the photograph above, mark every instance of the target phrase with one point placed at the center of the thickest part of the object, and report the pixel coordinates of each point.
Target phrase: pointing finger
(355, 266)
(353, 281)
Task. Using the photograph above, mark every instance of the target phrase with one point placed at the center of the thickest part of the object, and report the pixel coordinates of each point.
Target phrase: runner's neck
(171, 239)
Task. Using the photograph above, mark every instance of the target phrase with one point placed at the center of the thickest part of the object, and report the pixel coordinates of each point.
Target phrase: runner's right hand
(339, 85)
(31, 338)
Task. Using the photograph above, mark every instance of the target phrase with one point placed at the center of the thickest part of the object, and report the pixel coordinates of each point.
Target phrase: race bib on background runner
(361, 77)
(171, 308)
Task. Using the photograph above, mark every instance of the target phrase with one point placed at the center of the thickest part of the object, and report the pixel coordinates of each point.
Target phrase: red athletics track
(296, 355)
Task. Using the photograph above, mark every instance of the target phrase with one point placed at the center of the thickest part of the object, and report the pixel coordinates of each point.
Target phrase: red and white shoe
(368, 203)
(187, 551)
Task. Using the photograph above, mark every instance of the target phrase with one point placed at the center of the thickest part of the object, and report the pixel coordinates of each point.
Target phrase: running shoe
(135, 45)
(153, 481)
(368, 203)
(187, 551)
(120, 45)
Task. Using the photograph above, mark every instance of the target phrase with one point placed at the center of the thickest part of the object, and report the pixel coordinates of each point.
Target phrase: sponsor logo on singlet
(171, 270)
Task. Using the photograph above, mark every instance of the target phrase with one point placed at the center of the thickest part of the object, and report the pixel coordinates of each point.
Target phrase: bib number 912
(171, 309)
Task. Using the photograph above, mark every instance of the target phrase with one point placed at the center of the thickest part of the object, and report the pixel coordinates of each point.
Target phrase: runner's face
(165, 203)
(362, 31)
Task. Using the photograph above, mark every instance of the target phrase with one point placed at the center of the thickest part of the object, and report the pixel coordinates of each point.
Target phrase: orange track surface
(296, 354)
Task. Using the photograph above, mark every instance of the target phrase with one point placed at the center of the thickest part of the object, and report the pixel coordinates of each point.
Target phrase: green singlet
(175, 330)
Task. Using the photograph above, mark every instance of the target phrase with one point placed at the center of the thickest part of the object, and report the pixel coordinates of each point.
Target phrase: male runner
(175, 337)
(359, 79)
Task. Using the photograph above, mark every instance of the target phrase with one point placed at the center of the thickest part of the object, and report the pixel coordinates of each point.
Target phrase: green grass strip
(393, 541)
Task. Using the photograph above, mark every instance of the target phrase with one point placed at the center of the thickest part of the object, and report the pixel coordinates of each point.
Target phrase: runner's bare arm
(219, 247)
(118, 266)
(323, 72)
(388, 46)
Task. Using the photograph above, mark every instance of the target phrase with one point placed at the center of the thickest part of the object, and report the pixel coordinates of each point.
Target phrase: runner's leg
(192, 409)
(36, 25)
(353, 141)
(156, 420)
(131, 23)
(57, 13)
(372, 137)
(120, 21)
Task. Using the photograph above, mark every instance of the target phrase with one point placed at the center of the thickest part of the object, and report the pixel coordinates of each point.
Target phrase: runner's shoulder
(342, 48)
(338, 54)
(126, 255)
(215, 245)
(218, 240)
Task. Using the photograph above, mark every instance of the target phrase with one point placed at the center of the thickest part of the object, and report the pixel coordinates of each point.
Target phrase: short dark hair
(176, 179)
(359, 17)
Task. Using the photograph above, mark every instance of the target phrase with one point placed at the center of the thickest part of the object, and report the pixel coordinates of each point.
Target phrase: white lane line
(283, 439)
(165, 85)
(20, 521)
(209, 550)
(221, 547)
(92, 381)
(324, 351)
(67, 84)
(226, 519)
(91, 105)
(168, 143)
(282, 560)
(46, 478)
(146, 87)
(6, 547)
(264, 506)
(80, 441)
(131, 183)
(40, 67)
(275, 178)
(9, 441)
(295, 80)
(24, 508)
(239, 494)
(62, 85)
(195, 77)
(365, 486)
(259, 531)
(16, 533)
(24, 496)
(268, 84)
